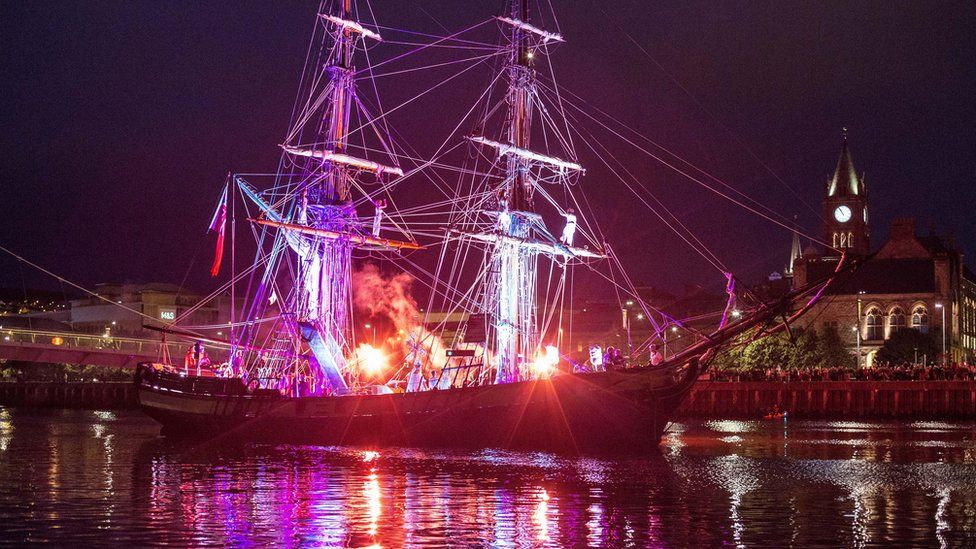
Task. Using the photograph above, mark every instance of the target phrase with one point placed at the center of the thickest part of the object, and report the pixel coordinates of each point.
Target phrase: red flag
(219, 223)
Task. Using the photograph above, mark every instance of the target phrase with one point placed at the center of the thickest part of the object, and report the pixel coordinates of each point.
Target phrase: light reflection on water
(90, 477)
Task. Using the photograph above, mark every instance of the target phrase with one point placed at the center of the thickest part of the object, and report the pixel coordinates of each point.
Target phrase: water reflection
(106, 478)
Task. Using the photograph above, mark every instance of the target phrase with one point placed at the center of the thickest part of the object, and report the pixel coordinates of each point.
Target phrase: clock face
(842, 214)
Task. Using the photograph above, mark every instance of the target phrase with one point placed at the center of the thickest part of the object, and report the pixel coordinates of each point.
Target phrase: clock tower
(845, 208)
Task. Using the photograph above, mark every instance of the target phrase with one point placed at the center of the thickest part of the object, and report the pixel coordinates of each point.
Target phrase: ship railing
(167, 378)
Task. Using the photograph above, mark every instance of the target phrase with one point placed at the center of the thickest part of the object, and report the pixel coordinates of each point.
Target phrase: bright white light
(736, 313)
(546, 362)
(371, 360)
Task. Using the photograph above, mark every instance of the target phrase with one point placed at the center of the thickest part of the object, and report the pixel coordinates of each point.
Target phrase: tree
(807, 351)
(833, 353)
(906, 344)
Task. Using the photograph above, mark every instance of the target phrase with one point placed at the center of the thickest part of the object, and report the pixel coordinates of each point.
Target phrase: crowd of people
(902, 372)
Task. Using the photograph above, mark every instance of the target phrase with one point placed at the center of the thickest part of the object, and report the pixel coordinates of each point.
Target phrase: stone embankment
(834, 399)
(708, 399)
(90, 395)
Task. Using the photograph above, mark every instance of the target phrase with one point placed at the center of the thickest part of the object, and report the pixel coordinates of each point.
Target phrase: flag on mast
(219, 223)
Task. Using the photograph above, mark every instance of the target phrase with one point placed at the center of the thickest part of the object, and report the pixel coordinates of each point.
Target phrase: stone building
(162, 302)
(911, 281)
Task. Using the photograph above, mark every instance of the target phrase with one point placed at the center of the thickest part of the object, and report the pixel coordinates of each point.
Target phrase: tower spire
(844, 181)
(795, 251)
(846, 206)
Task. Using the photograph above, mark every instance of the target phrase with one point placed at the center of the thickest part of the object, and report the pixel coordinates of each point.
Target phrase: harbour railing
(12, 337)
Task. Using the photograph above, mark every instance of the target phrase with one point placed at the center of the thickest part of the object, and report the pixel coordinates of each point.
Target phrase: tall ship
(463, 258)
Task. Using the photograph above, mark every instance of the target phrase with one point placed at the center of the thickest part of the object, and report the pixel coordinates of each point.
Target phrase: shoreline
(708, 399)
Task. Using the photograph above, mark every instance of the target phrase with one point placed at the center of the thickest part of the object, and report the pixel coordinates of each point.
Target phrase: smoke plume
(390, 296)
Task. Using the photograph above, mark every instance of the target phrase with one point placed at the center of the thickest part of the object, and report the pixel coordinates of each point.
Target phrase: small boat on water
(295, 370)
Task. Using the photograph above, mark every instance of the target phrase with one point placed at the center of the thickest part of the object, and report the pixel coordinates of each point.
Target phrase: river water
(97, 478)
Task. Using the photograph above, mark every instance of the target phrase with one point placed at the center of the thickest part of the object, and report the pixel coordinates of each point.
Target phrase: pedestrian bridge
(82, 349)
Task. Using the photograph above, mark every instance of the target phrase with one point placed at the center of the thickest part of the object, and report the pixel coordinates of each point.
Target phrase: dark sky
(121, 119)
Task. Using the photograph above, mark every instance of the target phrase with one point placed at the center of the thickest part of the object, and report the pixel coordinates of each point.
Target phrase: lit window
(896, 320)
(872, 325)
(920, 319)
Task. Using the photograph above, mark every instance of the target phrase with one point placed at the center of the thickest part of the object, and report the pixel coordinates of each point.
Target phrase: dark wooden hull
(615, 411)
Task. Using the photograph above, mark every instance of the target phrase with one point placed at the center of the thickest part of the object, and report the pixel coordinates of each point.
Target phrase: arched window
(920, 319)
(896, 320)
(872, 324)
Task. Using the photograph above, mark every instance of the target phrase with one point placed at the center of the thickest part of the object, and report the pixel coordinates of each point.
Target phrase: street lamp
(944, 357)
(857, 328)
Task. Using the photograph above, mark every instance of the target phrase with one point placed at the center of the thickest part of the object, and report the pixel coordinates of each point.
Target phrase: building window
(896, 320)
(920, 319)
(872, 325)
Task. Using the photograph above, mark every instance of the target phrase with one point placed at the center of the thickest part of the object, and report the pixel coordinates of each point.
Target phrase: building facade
(912, 281)
(164, 303)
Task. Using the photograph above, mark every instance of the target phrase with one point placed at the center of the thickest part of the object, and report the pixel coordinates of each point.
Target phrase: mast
(515, 265)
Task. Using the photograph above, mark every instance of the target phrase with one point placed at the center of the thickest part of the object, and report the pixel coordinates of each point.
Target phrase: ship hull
(618, 411)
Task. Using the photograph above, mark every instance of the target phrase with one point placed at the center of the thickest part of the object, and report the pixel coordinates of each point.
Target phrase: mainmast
(514, 257)
(520, 109)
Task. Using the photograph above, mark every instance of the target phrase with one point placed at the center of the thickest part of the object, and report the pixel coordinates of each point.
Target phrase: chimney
(903, 228)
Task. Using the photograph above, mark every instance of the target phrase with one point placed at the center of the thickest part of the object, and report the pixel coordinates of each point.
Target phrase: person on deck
(656, 356)
(190, 360)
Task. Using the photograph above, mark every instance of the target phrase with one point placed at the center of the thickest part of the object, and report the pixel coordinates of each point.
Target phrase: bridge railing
(105, 342)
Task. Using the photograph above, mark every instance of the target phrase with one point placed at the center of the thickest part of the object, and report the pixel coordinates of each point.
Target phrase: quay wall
(708, 399)
(100, 395)
(833, 399)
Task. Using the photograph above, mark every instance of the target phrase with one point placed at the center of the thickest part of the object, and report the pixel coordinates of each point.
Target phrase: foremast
(323, 230)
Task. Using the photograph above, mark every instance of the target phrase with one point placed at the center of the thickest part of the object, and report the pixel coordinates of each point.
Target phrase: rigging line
(701, 245)
(451, 295)
(646, 308)
(700, 105)
(308, 111)
(699, 181)
(366, 114)
(440, 152)
(441, 38)
(376, 89)
(704, 252)
(214, 294)
(547, 119)
(425, 92)
(669, 152)
(73, 285)
(301, 81)
(444, 46)
(421, 48)
(434, 66)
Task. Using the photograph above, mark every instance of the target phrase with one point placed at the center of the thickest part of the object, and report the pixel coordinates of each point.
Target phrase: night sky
(120, 120)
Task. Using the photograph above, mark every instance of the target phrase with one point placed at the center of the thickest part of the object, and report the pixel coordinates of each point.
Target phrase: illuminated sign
(459, 352)
(167, 314)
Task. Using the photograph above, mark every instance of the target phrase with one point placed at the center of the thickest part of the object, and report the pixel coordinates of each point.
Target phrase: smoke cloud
(390, 296)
